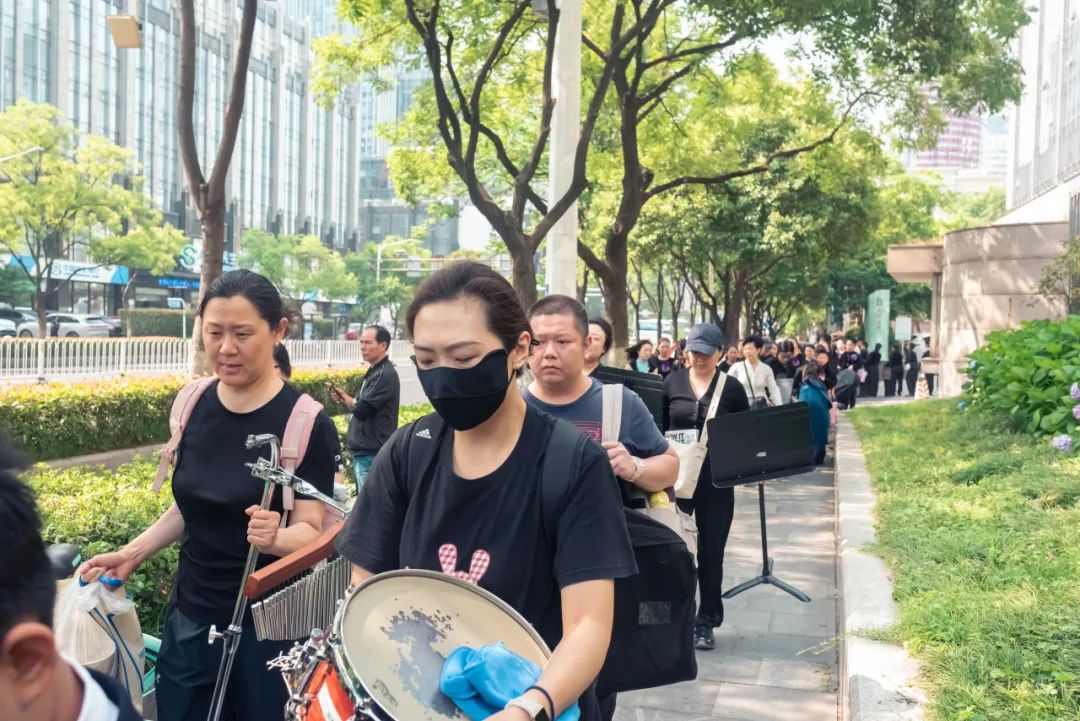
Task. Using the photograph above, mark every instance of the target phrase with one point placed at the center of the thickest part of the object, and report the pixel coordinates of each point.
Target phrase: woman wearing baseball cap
(688, 393)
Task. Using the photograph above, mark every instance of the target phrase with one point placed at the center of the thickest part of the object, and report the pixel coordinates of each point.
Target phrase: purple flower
(962, 405)
(1062, 443)
(1076, 412)
(1075, 391)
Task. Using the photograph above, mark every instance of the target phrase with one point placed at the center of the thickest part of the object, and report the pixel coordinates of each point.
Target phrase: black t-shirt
(213, 488)
(495, 521)
(683, 410)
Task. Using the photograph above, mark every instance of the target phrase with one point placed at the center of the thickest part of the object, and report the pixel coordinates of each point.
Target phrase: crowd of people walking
(511, 388)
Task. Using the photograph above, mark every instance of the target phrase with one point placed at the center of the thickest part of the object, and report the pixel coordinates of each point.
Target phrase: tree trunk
(615, 303)
(39, 307)
(524, 276)
(733, 308)
(659, 305)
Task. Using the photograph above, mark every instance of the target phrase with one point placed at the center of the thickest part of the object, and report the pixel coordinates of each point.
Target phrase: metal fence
(31, 359)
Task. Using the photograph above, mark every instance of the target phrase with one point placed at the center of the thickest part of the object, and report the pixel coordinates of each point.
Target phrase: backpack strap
(417, 450)
(182, 406)
(562, 462)
(294, 443)
(611, 416)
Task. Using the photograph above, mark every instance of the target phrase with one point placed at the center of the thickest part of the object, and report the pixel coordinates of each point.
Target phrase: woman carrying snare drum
(481, 494)
(216, 514)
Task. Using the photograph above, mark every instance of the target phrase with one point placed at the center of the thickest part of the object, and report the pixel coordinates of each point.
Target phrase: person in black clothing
(36, 682)
(597, 344)
(373, 414)
(770, 356)
(216, 514)
(873, 372)
(894, 372)
(665, 360)
(825, 374)
(930, 377)
(850, 358)
(731, 357)
(687, 395)
(482, 492)
(912, 375)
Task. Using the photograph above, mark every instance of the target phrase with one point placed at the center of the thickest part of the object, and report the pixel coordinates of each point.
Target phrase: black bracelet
(551, 703)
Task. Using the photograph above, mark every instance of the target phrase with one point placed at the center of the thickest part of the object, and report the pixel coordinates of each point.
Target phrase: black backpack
(652, 638)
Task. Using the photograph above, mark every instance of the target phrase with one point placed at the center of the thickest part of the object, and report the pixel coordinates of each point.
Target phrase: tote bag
(692, 455)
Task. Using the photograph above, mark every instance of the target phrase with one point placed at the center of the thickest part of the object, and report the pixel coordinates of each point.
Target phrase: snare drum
(386, 649)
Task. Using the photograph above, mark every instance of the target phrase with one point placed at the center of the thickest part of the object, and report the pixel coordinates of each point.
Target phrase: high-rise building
(970, 155)
(1044, 170)
(297, 167)
(958, 146)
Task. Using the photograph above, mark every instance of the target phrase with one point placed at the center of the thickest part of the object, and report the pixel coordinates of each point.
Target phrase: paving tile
(799, 675)
(768, 703)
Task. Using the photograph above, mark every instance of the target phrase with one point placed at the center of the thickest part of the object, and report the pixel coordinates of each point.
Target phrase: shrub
(1026, 374)
(101, 512)
(156, 321)
(323, 329)
(60, 420)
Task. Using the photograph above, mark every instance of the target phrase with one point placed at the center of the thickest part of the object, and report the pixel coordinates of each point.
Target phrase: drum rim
(345, 661)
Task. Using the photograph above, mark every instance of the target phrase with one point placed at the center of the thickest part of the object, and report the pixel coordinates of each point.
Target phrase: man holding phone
(374, 410)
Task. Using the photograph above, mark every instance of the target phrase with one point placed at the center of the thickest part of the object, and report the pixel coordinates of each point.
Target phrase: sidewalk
(776, 658)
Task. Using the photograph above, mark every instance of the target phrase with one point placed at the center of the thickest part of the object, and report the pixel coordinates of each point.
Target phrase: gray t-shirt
(638, 431)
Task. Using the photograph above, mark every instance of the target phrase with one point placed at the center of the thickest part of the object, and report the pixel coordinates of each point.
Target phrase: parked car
(17, 316)
(72, 325)
(353, 331)
(116, 326)
(7, 328)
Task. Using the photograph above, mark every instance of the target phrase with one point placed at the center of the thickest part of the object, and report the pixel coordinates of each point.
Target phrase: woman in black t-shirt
(688, 392)
(480, 497)
(216, 513)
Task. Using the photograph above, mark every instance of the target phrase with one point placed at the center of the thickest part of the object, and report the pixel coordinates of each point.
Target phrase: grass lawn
(982, 528)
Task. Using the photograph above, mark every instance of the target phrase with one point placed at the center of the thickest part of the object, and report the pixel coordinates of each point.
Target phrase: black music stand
(649, 387)
(757, 446)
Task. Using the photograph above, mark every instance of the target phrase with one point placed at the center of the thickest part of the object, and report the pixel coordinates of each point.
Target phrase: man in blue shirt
(641, 456)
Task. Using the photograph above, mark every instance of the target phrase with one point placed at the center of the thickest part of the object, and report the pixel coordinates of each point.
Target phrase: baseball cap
(705, 338)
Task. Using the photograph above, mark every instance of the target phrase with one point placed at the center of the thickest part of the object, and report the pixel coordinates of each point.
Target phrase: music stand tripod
(766, 576)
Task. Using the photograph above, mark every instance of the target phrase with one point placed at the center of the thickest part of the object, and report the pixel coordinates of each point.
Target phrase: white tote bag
(692, 455)
(658, 506)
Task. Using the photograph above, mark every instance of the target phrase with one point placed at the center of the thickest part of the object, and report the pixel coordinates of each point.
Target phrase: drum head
(398, 628)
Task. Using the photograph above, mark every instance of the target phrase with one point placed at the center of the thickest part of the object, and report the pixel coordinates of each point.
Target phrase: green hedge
(1026, 374)
(323, 329)
(156, 322)
(60, 420)
(100, 511)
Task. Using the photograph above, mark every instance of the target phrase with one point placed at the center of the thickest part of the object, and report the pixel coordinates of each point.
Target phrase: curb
(110, 459)
(877, 680)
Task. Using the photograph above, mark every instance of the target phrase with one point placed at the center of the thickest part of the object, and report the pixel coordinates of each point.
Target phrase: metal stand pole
(231, 635)
(766, 576)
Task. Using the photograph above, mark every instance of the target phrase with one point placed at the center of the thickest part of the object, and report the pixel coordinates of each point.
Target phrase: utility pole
(561, 276)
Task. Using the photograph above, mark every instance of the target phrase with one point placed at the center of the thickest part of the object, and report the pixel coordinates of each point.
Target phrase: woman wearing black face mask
(481, 493)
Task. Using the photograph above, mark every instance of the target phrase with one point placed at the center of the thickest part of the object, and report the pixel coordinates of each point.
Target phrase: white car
(72, 325)
(7, 328)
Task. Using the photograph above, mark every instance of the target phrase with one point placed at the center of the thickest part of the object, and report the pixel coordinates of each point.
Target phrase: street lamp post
(35, 149)
(561, 254)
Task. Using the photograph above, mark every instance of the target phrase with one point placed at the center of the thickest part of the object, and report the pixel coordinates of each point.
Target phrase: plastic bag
(97, 626)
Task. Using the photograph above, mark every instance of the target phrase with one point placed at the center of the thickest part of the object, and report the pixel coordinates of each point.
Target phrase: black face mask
(466, 397)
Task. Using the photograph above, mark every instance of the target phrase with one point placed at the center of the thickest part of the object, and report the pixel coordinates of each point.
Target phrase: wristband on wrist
(550, 702)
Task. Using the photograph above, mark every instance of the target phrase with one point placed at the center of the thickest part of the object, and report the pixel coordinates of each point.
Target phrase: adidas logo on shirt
(425, 433)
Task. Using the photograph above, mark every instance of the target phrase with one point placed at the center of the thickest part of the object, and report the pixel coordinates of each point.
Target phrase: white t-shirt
(96, 706)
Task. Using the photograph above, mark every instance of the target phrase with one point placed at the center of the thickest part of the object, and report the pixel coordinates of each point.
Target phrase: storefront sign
(178, 282)
(63, 270)
(190, 258)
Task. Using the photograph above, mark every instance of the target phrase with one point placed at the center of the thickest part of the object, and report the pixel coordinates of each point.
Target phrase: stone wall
(988, 282)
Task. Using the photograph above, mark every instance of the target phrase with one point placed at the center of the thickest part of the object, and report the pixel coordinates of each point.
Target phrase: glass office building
(297, 167)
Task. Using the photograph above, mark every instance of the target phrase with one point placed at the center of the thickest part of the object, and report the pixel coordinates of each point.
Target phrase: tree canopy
(73, 200)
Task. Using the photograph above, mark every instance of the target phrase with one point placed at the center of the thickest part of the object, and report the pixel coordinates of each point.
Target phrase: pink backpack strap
(297, 436)
(182, 406)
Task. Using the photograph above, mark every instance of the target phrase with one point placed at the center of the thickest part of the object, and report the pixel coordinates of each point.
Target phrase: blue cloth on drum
(482, 681)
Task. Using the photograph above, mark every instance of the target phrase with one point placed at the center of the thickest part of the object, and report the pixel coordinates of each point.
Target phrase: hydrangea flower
(1076, 412)
(962, 405)
(1062, 443)
(1075, 391)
